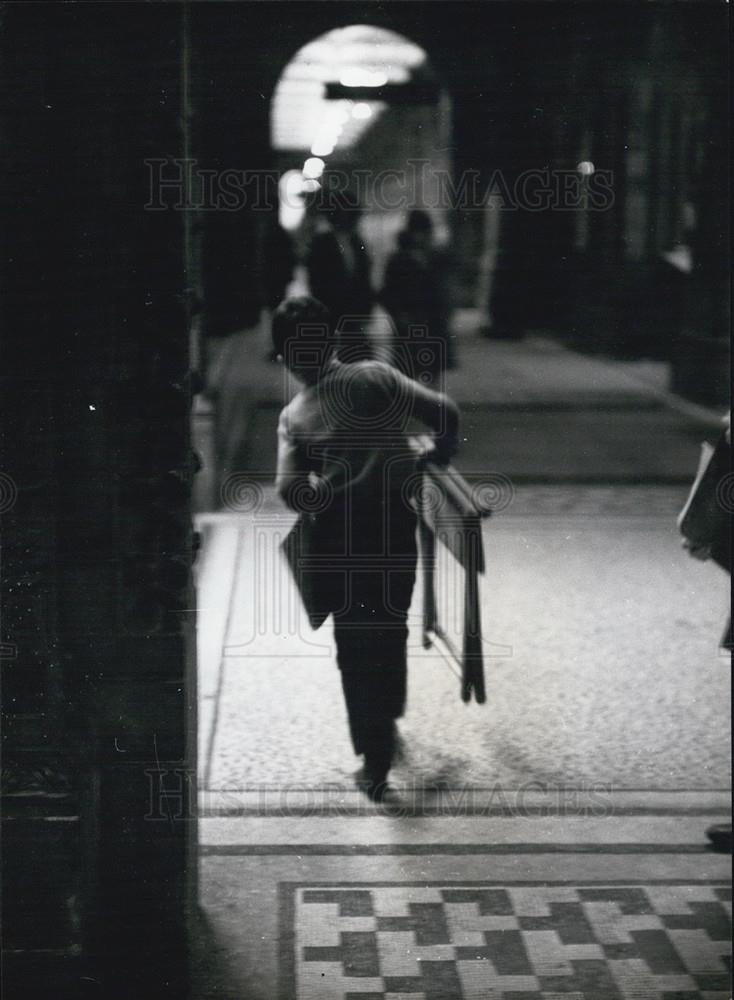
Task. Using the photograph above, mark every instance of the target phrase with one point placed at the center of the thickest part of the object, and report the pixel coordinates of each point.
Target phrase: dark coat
(344, 291)
(415, 294)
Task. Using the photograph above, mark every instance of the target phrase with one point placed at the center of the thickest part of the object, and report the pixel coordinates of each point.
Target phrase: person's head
(303, 336)
(420, 226)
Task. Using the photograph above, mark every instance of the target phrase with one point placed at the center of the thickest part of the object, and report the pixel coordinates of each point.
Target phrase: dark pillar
(97, 452)
(231, 153)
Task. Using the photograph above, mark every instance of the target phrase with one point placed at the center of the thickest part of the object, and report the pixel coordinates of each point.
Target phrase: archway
(362, 106)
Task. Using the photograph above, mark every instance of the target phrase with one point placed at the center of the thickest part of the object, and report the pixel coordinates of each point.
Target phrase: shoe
(720, 836)
(388, 797)
(373, 775)
(379, 792)
(371, 786)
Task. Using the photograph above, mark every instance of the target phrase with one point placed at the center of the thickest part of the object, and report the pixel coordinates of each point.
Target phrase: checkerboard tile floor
(524, 942)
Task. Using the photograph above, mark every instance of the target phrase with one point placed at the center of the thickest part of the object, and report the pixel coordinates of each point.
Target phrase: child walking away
(344, 462)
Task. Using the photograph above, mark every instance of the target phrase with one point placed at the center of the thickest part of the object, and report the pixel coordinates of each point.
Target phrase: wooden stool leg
(472, 665)
(427, 545)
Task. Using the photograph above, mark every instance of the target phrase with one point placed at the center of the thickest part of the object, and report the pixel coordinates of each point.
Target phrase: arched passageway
(361, 107)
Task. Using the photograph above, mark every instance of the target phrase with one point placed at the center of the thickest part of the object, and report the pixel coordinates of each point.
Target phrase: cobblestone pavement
(601, 657)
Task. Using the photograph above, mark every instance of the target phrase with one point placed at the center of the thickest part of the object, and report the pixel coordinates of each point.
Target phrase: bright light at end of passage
(357, 77)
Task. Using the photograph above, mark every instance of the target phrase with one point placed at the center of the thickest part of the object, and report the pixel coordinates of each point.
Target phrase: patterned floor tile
(443, 942)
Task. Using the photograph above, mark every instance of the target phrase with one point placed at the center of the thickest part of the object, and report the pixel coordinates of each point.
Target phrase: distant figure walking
(415, 293)
(343, 440)
(339, 274)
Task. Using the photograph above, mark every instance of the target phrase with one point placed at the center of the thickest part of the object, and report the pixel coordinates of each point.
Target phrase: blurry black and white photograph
(365, 500)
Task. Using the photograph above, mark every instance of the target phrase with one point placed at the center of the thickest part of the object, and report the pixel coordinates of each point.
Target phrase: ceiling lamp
(361, 111)
(322, 147)
(313, 167)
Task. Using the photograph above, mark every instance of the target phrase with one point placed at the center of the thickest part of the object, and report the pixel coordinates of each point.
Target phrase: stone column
(96, 368)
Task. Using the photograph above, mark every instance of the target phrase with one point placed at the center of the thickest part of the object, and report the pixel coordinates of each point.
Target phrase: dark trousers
(370, 631)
